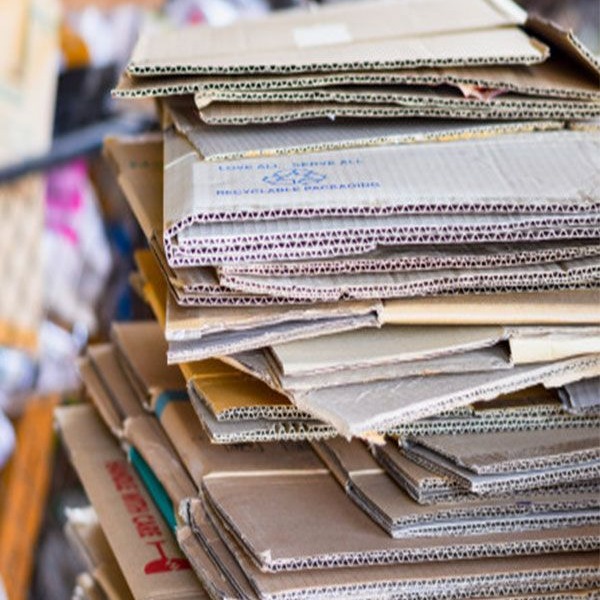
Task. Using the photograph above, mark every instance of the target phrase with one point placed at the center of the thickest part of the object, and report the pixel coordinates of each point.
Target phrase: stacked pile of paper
(426, 283)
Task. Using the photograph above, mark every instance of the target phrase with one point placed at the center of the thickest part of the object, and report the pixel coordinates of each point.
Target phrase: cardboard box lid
(358, 409)
(391, 34)
(143, 545)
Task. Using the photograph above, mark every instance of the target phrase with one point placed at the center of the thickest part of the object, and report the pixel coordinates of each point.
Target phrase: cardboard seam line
(266, 473)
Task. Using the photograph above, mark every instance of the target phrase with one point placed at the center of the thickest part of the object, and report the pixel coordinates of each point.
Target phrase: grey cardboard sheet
(217, 143)
(376, 493)
(368, 180)
(358, 409)
(339, 38)
(447, 580)
(428, 486)
(502, 482)
(487, 359)
(582, 397)
(382, 346)
(386, 260)
(231, 342)
(188, 323)
(512, 452)
(392, 344)
(400, 284)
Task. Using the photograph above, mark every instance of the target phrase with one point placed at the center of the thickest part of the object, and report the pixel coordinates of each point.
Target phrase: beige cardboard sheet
(335, 38)
(145, 548)
(216, 143)
(569, 72)
(551, 170)
(358, 409)
(562, 307)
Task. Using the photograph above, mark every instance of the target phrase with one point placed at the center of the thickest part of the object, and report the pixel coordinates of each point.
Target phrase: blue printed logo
(294, 177)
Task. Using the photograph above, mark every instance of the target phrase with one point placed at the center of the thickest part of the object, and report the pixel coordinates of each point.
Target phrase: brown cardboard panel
(376, 493)
(444, 579)
(341, 534)
(143, 545)
(339, 38)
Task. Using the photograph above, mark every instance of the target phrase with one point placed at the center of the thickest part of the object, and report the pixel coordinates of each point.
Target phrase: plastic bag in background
(52, 370)
(7, 445)
(77, 258)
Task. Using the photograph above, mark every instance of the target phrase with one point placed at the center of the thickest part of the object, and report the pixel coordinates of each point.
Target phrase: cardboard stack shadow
(373, 261)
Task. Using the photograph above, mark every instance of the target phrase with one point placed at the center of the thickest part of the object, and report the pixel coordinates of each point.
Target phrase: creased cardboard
(358, 409)
(143, 545)
(449, 580)
(386, 260)
(581, 397)
(569, 72)
(344, 535)
(377, 494)
(216, 143)
(339, 38)
(488, 482)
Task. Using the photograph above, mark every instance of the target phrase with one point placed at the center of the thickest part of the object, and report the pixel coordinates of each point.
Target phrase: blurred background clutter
(66, 238)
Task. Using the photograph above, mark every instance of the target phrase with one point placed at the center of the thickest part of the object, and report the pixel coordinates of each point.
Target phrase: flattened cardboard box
(191, 338)
(390, 507)
(254, 113)
(339, 533)
(569, 72)
(359, 409)
(367, 181)
(387, 260)
(143, 545)
(398, 344)
(449, 580)
(338, 38)
(215, 143)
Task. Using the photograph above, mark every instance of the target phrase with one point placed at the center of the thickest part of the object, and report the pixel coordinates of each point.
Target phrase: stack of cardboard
(428, 284)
